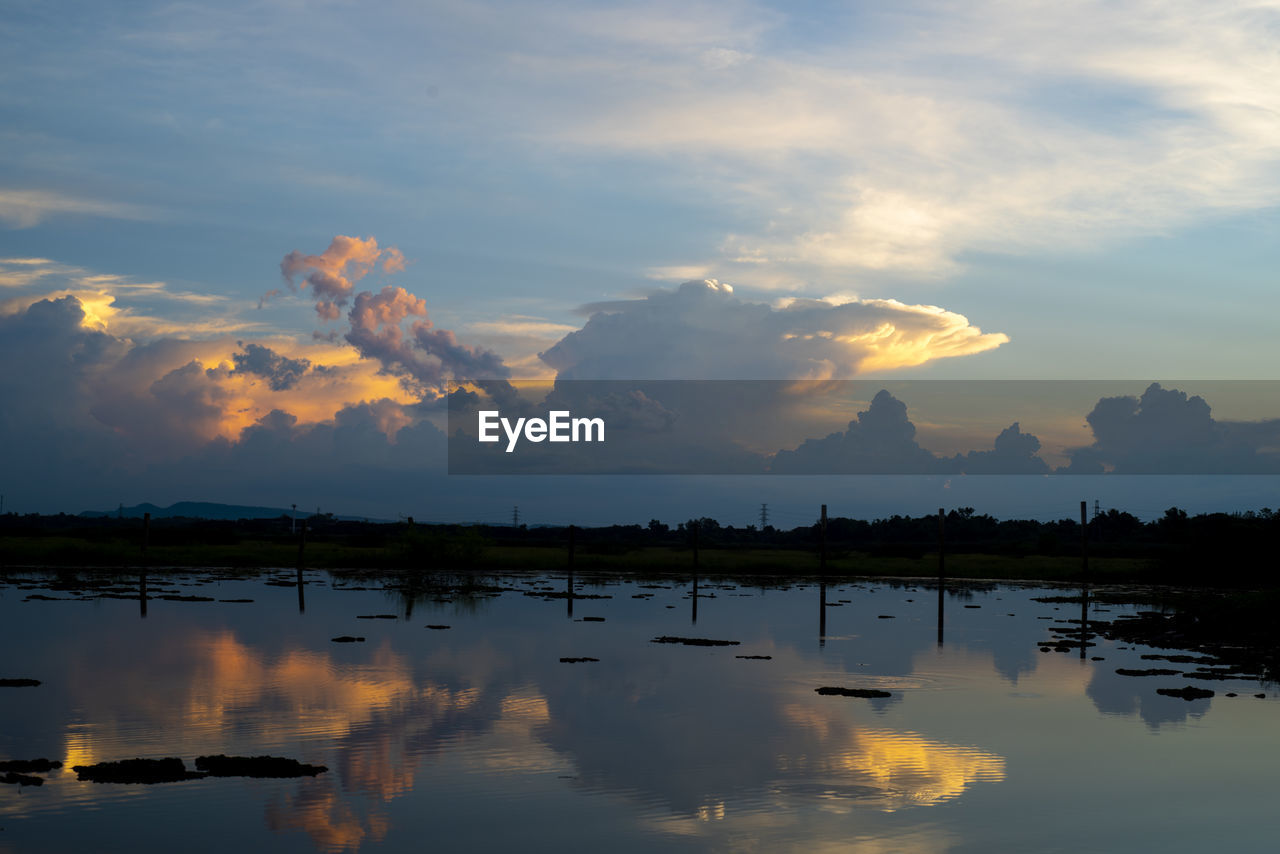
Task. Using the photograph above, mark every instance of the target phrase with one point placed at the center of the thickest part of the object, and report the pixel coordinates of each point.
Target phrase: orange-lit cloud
(332, 274)
(702, 330)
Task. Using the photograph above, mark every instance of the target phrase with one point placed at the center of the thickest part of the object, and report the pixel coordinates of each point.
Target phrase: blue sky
(1096, 183)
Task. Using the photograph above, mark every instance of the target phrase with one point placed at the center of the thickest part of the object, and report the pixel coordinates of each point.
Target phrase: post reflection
(822, 614)
(694, 596)
(942, 593)
(1084, 621)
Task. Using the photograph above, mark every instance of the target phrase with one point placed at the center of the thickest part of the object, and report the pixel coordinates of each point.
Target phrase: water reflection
(822, 614)
(323, 813)
(692, 743)
(694, 596)
(942, 593)
(890, 768)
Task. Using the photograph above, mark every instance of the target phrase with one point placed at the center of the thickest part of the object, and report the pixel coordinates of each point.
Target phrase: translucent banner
(865, 427)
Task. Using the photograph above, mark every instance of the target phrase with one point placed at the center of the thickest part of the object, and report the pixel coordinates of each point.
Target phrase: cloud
(1166, 431)
(899, 137)
(28, 208)
(1015, 452)
(119, 304)
(905, 138)
(881, 440)
(112, 396)
(522, 325)
(333, 273)
(425, 358)
(702, 331)
(280, 372)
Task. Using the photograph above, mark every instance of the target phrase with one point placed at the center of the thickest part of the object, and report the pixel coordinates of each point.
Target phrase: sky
(245, 246)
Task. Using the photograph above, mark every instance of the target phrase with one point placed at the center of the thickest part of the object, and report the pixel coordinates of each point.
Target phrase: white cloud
(678, 272)
(119, 305)
(991, 127)
(702, 331)
(27, 208)
(519, 324)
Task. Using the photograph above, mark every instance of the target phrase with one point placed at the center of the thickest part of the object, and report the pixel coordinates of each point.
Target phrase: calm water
(476, 737)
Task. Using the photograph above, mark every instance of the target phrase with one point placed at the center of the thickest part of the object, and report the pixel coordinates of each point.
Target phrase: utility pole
(764, 516)
(293, 523)
(942, 545)
(515, 516)
(823, 554)
(1084, 540)
(695, 543)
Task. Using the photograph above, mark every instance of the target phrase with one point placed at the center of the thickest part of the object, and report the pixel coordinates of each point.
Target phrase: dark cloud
(1166, 431)
(426, 358)
(281, 373)
(1014, 453)
(881, 440)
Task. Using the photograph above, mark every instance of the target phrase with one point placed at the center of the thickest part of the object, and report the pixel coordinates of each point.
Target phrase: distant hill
(208, 510)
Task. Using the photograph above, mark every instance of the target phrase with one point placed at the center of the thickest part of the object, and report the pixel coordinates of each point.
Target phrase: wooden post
(942, 569)
(942, 545)
(1084, 540)
(302, 545)
(822, 559)
(146, 532)
(571, 530)
(695, 543)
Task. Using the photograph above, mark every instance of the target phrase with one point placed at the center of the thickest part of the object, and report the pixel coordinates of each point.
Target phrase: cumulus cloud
(1167, 431)
(279, 371)
(881, 440)
(424, 357)
(702, 330)
(108, 397)
(1164, 431)
(332, 275)
(119, 304)
(97, 418)
(1014, 452)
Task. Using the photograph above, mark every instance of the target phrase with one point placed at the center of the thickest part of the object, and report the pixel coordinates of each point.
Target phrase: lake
(455, 725)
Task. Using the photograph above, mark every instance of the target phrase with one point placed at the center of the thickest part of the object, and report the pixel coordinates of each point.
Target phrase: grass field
(122, 553)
